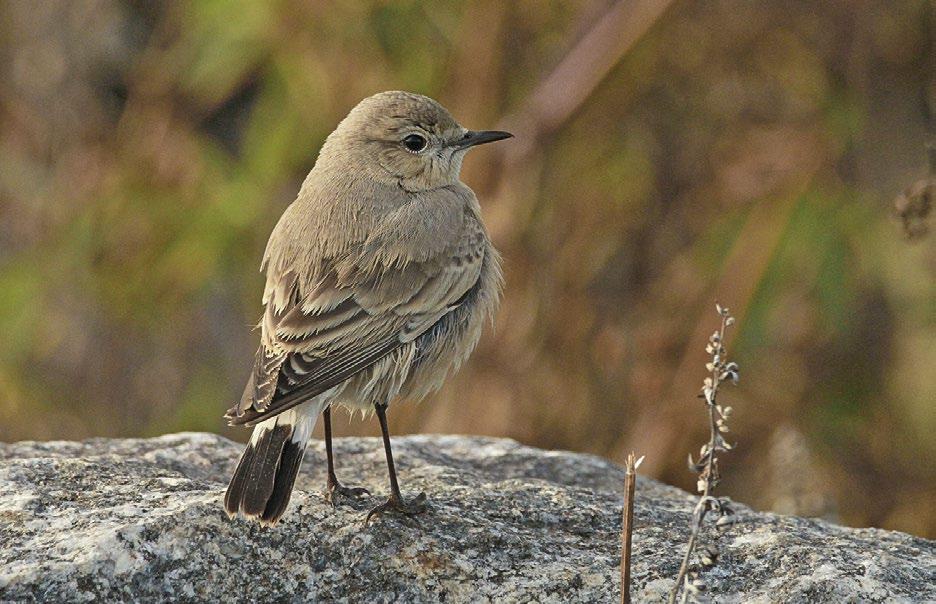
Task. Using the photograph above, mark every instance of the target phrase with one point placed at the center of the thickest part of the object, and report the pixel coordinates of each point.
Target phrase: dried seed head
(725, 522)
(730, 372)
(707, 465)
(709, 556)
(695, 467)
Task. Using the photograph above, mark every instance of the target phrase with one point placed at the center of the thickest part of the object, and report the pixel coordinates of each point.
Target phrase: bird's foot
(396, 504)
(334, 490)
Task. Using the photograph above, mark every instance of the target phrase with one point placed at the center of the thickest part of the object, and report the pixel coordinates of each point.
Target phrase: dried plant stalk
(707, 465)
(627, 524)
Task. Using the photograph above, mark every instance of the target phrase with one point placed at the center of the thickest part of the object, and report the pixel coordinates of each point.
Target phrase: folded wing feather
(313, 341)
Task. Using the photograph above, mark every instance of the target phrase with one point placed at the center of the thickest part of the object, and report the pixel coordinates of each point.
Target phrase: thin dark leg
(333, 487)
(395, 502)
(391, 468)
(326, 417)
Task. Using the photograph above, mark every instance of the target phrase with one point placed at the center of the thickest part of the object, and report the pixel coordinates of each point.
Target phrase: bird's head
(405, 138)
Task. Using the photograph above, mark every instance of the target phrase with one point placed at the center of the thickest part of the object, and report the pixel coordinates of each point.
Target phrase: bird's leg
(395, 502)
(333, 487)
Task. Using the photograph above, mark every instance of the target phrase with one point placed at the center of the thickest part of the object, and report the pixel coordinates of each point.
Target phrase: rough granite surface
(141, 520)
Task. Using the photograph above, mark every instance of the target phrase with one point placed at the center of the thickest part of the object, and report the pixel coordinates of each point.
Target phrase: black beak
(473, 137)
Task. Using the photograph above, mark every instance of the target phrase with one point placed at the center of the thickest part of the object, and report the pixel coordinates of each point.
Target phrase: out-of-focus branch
(556, 99)
(573, 81)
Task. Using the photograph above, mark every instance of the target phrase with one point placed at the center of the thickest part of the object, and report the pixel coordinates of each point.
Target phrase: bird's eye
(414, 143)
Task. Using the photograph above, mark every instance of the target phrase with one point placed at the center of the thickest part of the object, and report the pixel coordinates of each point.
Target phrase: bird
(379, 279)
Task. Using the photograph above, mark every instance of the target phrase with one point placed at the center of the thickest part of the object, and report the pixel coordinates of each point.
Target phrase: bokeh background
(668, 155)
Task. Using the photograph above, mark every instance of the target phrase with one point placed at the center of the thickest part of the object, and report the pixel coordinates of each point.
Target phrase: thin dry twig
(627, 524)
(707, 465)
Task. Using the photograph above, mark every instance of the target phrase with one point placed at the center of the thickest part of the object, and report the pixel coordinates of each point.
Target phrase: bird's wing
(315, 340)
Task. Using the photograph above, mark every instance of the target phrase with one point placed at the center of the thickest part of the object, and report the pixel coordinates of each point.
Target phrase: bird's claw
(335, 489)
(396, 504)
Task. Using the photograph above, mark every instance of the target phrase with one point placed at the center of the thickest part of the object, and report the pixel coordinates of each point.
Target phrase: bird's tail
(264, 478)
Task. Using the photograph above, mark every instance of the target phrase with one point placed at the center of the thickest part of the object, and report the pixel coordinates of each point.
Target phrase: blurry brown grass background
(668, 154)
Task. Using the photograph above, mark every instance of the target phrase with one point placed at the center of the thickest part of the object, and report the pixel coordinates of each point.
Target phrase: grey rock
(141, 520)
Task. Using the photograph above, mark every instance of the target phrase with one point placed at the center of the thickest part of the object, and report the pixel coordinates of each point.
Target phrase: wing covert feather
(313, 341)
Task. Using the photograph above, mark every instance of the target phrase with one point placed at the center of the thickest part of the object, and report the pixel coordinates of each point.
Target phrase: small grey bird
(379, 277)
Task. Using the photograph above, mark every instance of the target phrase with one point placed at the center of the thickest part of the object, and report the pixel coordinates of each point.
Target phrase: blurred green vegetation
(747, 152)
